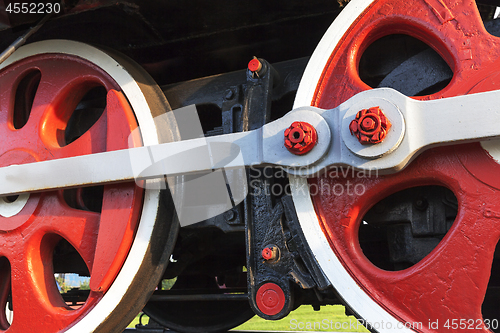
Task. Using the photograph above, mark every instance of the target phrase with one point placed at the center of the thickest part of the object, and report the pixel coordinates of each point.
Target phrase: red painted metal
(28, 239)
(300, 138)
(270, 253)
(450, 283)
(370, 126)
(270, 299)
(254, 65)
(267, 253)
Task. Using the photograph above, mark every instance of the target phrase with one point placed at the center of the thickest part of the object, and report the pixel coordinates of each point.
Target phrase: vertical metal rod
(21, 40)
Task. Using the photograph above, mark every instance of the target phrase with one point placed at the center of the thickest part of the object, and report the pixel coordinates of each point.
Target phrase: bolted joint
(270, 253)
(254, 65)
(300, 138)
(370, 126)
(270, 299)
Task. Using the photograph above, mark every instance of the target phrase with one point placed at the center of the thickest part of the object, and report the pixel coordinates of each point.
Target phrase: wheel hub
(11, 206)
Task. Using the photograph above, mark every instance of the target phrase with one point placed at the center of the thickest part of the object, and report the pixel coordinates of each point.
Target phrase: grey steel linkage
(416, 125)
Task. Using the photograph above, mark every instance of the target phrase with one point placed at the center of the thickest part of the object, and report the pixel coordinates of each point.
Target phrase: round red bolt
(300, 138)
(270, 253)
(267, 253)
(270, 299)
(370, 125)
(254, 65)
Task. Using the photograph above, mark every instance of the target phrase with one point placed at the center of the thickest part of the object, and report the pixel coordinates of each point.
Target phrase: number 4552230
(33, 8)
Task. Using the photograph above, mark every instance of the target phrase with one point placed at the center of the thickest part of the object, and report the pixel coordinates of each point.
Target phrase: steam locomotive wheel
(62, 99)
(446, 286)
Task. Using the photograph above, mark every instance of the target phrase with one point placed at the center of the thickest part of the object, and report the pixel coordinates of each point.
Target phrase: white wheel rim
(352, 294)
(132, 91)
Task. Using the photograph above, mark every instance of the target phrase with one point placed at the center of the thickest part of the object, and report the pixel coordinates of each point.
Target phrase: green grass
(331, 318)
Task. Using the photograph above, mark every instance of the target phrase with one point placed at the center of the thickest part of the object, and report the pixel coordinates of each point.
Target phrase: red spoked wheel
(445, 288)
(62, 99)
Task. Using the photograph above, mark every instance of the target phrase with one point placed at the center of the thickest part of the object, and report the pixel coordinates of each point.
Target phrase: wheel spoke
(454, 30)
(449, 282)
(7, 105)
(6, 101)
(116, 230)
(62, 86)
(78, 227)
(119, 120)
(35, 296)
(117, 227)
(54, 103)
(91, 142)
(34, 292)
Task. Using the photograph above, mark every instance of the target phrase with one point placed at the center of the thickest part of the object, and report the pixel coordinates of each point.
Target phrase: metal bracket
(276, 228)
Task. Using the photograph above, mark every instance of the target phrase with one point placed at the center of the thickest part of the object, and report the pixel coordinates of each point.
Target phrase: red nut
(370, 126)
(270, 299)
(270, 253)
(300, 138)
(254, 65)
(267, 253)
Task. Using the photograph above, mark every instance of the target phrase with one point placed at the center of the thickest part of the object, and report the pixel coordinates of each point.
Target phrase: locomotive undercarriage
(208, 275)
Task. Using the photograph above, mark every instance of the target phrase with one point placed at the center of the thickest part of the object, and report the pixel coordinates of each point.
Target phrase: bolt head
(229, 94)
(254, 65)
(296, 135)
(271, 253)
(270, 299)
(229, 215)
(353, 126)
(370, 126)
(300, 138)
(267, 253)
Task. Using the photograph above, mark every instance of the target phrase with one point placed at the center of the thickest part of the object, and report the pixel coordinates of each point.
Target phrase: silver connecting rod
(416, 125)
